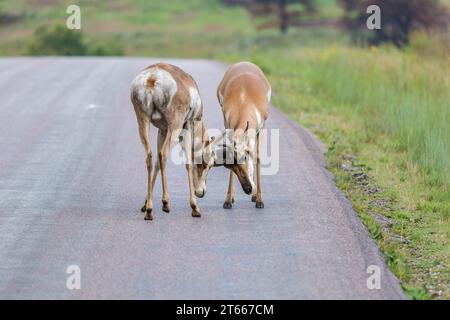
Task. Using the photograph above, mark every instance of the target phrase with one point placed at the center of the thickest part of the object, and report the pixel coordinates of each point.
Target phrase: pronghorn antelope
(244, 95)
(167, 97)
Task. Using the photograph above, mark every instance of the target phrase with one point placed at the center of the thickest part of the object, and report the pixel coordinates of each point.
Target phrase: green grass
(404, 96)
(198, 28)
(383, 113)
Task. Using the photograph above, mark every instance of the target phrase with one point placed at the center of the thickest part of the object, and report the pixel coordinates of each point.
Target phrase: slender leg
(192, 199)
(157, 166)
(255, 178)
(155, 173)
(149, 201)
(163, 162)
(161, 136)
(187, 148)
(143, 124)
(228, 204)
(259, 200)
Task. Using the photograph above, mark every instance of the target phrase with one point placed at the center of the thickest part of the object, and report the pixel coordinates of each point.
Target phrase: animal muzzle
(247, 188)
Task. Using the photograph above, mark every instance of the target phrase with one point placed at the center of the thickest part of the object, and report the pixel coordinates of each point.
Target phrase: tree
(280, 7)
(7, 18)
(284, 14)
(3, 17)
(398, 18)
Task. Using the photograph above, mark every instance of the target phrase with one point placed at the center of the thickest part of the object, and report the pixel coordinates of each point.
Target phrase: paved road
(72, 180)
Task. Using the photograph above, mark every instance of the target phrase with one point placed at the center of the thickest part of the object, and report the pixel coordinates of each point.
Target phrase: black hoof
(196, 214)
(227, 205)
(148, 215)
(253, 198)
(259, 205)
(165, 207)
(144, 206)
(232, 200)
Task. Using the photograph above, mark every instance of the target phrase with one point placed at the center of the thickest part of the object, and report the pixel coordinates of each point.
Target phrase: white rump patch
(164, 89)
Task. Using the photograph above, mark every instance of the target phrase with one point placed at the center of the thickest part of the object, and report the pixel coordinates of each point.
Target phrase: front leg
(164, 147)
(187, 148)
(155, 174)
(192, 199)
(259, 201)
(228, 204)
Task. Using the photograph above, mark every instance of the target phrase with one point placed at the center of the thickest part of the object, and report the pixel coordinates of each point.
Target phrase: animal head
(237, 155)
(203, 160)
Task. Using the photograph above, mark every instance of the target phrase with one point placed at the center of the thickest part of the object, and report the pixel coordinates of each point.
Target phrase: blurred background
(379, 99)
(206, 28)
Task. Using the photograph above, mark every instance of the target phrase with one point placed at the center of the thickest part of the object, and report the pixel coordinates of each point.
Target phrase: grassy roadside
(383, 113)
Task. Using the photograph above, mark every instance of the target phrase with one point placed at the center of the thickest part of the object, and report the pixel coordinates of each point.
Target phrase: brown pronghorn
(167, 97)
(244, 95)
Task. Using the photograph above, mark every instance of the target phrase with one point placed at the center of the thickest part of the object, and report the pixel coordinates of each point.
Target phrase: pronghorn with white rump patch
(167, 97)
(244, 95)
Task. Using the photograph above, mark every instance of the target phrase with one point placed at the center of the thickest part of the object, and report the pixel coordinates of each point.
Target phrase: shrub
(57, 41)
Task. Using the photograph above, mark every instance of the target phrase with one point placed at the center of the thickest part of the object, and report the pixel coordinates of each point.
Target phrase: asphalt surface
(73, 178)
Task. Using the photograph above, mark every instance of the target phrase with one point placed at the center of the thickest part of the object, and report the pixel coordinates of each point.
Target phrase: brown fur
(173, 119)
(243, 90)
(151, 83)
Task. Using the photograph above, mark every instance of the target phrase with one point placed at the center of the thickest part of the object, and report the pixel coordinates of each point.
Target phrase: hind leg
(162, 157)
(157, 167)
(144, 126)
(187, 148)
